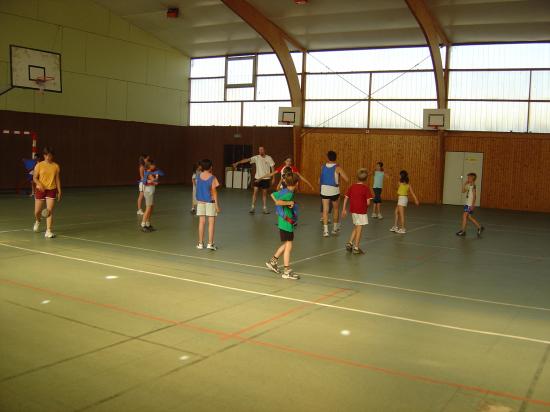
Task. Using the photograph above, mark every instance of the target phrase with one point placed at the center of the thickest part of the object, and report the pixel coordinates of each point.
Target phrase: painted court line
(393, 235)
(285, 313)
(287, 298)
(338, 279)
(287, 349)
(13, 230)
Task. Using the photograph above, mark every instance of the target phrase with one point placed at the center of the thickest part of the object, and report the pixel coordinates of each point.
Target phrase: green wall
(110, 68)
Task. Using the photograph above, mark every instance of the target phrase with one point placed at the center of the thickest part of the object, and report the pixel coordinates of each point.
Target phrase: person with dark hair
(471, 195)
(196, 171)
(331, 173)
(141, 165)
(378, 183)
(264, 166)
(46, 177)
(287, 166)
(403, 191)
(287, 219)
(208, 204)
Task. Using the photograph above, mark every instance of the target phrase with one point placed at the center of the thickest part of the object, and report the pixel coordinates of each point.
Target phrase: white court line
(488, 252)
(368, 241)
(287, 298)
(13, 230)
(337, 279)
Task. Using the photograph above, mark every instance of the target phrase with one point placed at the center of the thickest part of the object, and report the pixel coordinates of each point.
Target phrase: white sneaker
(140, 212)
(49, 234)
(325, 233)
(36, 227)
(374, 215)
(200, 246)
(212, 246)
(380, 216)
(335, 231)
(394, 229)
(402, 231)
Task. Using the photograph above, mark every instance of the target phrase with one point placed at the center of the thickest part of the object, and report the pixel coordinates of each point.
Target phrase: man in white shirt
(264, 166)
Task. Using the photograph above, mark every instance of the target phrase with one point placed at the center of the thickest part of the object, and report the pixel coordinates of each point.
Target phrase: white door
(457, 167)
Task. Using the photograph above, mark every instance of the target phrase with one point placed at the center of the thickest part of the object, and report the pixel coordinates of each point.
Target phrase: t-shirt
(46, 173)
(378, 179)
(287, 196)
(283, 166)
(263, 165)
(327, 190)
(470, 194)
(358, 195)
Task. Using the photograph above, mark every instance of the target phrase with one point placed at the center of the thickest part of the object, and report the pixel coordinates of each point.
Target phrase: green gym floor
(107, 318)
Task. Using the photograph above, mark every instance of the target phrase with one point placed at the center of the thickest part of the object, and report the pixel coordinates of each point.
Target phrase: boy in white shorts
(207, 203)
(359, 196)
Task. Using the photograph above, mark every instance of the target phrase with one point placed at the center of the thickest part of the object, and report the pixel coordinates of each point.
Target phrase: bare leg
(50, 205)
(395, 222)
(352, 237)
(335, 210)
(147, 214)
(280, 251)
(474, 221)
(326, 206)
(140, 200)
(254, 195)
(288, 249)
(264, 197)
(202, 221)
(357, 232)
(38, 206)
(211, 227)
(464, 220)
(402, 216)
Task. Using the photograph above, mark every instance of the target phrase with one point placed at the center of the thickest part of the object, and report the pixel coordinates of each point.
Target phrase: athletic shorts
(206, 209)
(403, 201)
(141, 186)
(263, 184)
(286, 236)
(377, 194)
(149, 195)
(334, 198)
(46, 194)
(468, 209)
(360, 219)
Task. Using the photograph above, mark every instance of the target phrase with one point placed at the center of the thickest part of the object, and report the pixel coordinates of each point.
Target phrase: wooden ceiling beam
(435, 37)
(276, 38)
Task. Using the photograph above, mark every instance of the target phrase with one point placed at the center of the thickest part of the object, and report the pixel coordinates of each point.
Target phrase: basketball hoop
(41, 82)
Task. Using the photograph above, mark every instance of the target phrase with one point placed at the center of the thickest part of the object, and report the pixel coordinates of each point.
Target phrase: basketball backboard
(437, 119)
(289, 116)
(35, 69)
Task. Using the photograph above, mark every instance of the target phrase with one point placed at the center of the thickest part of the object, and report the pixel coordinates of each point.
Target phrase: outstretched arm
(342, 174)
(240, 162)
(305, 180)
(413, 195)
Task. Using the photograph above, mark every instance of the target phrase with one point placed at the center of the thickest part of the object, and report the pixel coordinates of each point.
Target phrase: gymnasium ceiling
(208, 27)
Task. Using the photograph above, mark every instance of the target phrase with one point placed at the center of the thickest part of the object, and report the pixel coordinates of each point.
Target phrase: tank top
(328, 175)
(204, 189)
(403, 189)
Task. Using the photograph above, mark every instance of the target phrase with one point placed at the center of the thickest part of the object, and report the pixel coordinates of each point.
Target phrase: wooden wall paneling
(415, 153)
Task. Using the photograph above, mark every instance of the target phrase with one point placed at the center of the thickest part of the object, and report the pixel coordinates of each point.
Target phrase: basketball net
(41, 83)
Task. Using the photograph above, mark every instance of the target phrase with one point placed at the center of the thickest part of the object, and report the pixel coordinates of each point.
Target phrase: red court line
(283, 348)
(284, 314)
